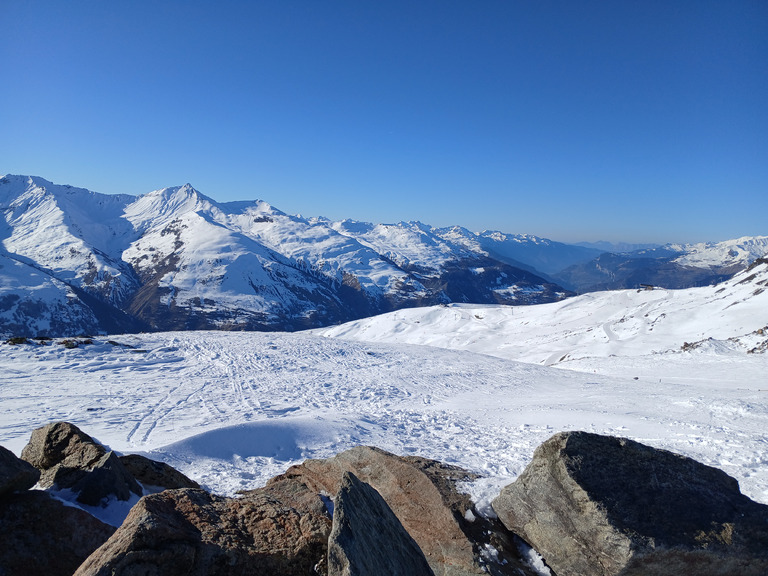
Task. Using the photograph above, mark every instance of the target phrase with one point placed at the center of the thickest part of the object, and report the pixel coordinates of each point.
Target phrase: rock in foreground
(68, 458)
(154, 474)
(423, 496)
(367, 538)
(281, 530)
(15, 474)
(40, 536)
(602, 506)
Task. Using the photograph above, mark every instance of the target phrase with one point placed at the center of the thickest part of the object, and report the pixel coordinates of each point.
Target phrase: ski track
(234, 409)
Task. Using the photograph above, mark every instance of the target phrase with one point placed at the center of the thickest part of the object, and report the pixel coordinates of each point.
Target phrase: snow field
(231, 410)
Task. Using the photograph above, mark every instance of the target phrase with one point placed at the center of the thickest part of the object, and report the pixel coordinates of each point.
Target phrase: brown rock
(152, 473)
(367, 538)
(40, 536)
(15, 474)
(282, 530)
(602, 506)
(423, 496)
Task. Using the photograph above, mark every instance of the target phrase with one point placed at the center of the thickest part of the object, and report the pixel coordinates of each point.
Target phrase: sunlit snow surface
(232, 410)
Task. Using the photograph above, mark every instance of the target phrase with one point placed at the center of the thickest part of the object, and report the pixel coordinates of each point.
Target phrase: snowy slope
(197, 272)
(233, 409)
(75, 234)
(176, 259)
(408, 244)
(737, 253)
(624, 322)
(672, 369)
(34, 302)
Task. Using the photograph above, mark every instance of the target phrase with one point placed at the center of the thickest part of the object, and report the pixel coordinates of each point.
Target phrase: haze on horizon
(635, 121)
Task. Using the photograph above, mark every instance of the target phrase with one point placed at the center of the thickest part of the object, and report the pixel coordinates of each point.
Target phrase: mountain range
(75, 261)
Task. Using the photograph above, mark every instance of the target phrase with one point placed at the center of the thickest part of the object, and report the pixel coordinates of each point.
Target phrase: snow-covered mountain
(74, 261)
(730, 316)
(669, 266)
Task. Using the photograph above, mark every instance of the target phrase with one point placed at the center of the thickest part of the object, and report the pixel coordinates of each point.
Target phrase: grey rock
(70, 459)
(281, 530)
(61, 444)
(598, 505)
(367, 538)
(40, 536)
(152, 473)
(15, 474)
(106, 478)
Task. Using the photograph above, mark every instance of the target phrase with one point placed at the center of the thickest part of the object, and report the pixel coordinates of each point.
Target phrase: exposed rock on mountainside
(727, 316)
(670, 266)
(604, 506)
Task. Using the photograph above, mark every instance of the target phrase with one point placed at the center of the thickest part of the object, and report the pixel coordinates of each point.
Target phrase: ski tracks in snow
(323, 395)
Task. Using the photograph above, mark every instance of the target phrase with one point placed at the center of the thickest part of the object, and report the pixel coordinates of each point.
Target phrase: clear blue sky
(575, 120)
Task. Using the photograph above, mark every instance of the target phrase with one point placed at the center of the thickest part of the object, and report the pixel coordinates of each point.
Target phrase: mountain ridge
(176, 259)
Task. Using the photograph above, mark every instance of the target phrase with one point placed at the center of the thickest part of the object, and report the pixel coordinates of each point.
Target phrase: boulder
(281, 530)
(154, 474)
(70, 459)
(423, 496)
(40, 536)
(15, 474)
(60, 444)
(367, 538)
(106, 478)
(600, 505)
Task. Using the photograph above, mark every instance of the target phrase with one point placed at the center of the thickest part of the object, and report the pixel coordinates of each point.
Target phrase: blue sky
(643, 121)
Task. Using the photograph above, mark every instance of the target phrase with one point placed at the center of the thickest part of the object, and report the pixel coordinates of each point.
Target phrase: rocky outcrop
(603, 506)
(423, 496)
(281, 530)
(70, 459)
(41, 536)
(154, 474)
(60, 444)
(591, 505)
(15, 474)
(367, 538)
(102, 480)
